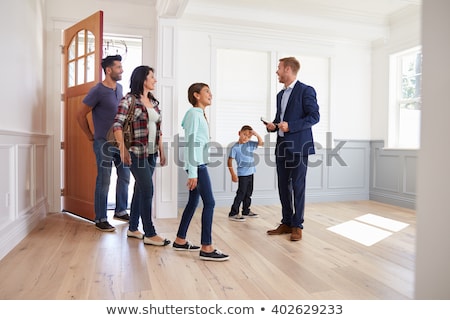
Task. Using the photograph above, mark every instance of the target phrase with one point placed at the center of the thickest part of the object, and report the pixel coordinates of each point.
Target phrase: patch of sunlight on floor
(385, 223)
(360, 232)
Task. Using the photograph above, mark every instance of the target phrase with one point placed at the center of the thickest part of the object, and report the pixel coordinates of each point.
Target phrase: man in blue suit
(297, 112)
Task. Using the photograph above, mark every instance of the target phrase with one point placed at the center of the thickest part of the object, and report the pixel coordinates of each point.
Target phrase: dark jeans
(291, 171)
(141, 204)
(203, 190)
(243, 195)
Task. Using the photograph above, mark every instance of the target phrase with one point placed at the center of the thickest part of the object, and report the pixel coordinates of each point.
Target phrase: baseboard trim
(13, 233)
(395, 200)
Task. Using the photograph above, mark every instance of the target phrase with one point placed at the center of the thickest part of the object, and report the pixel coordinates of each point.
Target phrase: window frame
(397, 127)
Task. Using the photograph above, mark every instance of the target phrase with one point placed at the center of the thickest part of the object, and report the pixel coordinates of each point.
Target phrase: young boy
(242, 152)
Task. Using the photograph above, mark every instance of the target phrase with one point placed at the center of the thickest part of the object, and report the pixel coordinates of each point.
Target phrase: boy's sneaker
(251, 215)
(104, 226)
(236, 218)
(216, 255)
(185, 247)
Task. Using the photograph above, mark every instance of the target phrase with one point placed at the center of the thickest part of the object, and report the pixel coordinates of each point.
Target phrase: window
(247, 86)
(242, 94)
(405, 106)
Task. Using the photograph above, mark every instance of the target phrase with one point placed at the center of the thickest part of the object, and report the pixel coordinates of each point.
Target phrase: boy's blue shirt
(243, 155)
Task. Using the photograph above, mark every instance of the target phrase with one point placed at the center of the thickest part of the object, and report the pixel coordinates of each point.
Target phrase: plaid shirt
(140, 121)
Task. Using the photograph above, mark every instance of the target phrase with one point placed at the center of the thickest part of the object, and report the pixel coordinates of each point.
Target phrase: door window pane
(90, 68)
(71, 50)
(80, 42)
(71, 74)
(90, 42)
(80, 73)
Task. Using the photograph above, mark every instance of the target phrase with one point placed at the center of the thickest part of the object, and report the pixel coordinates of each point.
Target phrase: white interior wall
(22, 53)
(23, 139)
(350, 69)
(433, 219)
(194, 65)
(350, 94)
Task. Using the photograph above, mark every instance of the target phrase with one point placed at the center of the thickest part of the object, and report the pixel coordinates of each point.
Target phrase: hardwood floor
(67, 258)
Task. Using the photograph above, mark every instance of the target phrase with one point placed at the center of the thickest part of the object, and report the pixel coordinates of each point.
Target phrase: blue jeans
(203, 190)
(141, 203)
(106, 155)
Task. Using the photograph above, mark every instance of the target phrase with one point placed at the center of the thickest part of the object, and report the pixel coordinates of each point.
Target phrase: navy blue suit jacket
(302, 112)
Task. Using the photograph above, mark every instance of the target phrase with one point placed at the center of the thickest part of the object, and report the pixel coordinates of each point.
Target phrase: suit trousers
(291, 173)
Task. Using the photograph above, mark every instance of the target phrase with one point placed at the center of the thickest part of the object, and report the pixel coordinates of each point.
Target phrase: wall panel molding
(23, 194)
(166, 188)
(393, 175)
(348, 183)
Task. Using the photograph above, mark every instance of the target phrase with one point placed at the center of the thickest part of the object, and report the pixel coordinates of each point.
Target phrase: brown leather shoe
(296, 234)
(281, 229)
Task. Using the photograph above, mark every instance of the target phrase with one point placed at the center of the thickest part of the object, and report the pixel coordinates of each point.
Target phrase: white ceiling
(380, 8)
(364, 19)
(372, 8)
(358, 19)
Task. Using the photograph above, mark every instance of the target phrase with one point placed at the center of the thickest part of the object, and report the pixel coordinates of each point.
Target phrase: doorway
(130, 48)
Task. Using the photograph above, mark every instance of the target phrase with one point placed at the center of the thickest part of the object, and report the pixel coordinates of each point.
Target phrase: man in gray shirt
(103, 100)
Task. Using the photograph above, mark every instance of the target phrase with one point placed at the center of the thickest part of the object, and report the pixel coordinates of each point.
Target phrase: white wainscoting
(338, 173)
(393, 175)
(23, 191)
(350, 170)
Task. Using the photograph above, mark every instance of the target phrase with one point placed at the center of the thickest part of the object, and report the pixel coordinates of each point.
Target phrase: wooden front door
(82, 66)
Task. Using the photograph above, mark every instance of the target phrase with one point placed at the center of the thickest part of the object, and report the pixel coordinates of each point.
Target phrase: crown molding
(171, 8)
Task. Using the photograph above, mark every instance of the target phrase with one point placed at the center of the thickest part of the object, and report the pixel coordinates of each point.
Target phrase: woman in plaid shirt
(145, 146)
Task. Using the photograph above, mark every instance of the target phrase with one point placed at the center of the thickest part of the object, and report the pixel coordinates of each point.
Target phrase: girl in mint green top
(199, 184)
(196, 134)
